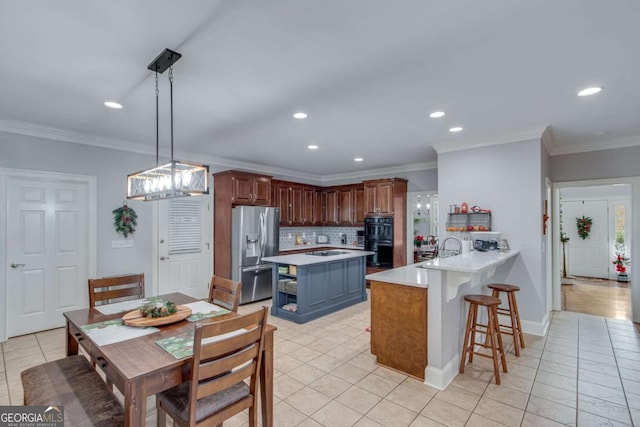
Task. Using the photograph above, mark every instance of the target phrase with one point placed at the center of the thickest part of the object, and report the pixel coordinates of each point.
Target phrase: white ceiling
(367, 72)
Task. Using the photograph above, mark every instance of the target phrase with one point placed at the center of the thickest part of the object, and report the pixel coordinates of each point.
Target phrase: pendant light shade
(175, 178)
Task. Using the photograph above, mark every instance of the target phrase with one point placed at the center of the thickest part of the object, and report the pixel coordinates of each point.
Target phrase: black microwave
(378, 228)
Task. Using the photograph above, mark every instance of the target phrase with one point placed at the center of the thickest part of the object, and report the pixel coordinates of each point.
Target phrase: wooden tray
(135, 318)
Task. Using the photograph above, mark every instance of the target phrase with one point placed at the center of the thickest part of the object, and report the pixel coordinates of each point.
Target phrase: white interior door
(184, 242)
(588, 257)
(47, 252)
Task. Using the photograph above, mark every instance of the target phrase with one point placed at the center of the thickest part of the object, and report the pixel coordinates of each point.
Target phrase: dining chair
(225, 293)
(225, 354)
(115, 288)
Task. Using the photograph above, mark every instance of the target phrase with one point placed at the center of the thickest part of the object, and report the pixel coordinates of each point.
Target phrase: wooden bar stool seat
(514, 329)
(491, 330)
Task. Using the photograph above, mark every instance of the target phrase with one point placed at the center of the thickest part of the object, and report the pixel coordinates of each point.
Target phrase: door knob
(14, 265)
(162, 258)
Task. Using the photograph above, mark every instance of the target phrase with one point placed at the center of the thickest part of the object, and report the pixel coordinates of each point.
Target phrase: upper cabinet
(300, 204)
(358, 204)
(380, 194)
(244, 188)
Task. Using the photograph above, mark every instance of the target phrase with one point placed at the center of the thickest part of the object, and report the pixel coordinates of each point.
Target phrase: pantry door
(48, 250)
(587, 257)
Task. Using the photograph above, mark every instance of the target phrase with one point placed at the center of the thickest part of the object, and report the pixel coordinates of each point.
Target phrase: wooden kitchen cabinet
(345, 205)
(332, 203)
(281, 198)
(300, 204)
(297, 205)
(358, 204)
(379, 195)
(312, 205)
(245, 188)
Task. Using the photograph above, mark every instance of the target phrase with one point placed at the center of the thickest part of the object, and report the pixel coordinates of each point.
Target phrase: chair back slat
(225, 293)
(107, 289)
(230, 359)
(228, 363)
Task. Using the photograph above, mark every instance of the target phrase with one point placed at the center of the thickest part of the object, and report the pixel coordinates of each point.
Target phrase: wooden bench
(72, 382)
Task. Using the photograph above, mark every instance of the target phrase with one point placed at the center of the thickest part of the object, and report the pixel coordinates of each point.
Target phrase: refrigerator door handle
(258, 268)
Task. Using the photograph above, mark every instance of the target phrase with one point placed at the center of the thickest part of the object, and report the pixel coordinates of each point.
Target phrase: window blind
(185, 220)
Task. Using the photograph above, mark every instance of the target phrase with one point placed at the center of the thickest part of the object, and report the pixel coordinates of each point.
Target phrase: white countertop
(318, 245)
(305, 259)
(416, 274)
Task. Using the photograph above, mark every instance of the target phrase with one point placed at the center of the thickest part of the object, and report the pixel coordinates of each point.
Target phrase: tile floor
(585, 372)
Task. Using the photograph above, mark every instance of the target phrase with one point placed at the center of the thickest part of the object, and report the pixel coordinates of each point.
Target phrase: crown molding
(507, 138)
(56, 134)
(548, 140)
(631, 141)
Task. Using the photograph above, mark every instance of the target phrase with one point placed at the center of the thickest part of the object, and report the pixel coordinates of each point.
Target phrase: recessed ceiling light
(590, 91)
(113, 104)
(358, 159)
(436, 114)
(312, 147)
(300, 115)
(455, 129)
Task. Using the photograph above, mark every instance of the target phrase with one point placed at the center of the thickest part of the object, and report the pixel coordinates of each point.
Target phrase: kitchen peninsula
(313, 284)
(418, 313)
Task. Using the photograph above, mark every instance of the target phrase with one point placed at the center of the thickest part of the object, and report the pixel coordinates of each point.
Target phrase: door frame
(92, 221)
(634, 275)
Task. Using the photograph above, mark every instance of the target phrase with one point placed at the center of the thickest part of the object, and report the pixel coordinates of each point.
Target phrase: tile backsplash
(309, 234)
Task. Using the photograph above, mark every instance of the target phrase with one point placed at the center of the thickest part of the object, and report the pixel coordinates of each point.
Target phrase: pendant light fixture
(173, 179)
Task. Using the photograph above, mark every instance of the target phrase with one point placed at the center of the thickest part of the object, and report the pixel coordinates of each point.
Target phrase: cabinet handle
(101, 362)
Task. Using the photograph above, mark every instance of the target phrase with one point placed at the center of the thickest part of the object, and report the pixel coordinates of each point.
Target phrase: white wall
(614, 163)
(508, 180)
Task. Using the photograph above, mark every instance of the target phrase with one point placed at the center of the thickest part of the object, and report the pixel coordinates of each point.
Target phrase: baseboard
(536, 328)
(441, 378)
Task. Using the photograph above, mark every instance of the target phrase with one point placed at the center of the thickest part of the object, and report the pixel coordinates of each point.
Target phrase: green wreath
(125, 220)
(584, 226)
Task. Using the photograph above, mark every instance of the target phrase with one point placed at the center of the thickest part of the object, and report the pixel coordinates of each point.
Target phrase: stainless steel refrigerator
(255, 233)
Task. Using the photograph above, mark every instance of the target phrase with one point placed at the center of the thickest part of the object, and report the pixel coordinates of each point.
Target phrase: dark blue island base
(321, 288)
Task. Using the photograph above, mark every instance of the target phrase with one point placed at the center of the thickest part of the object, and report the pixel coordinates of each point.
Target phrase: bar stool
(491, 331)
(515, 329)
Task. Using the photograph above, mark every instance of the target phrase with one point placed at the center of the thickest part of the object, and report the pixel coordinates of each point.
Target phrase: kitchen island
(313, 284)
(418, 313)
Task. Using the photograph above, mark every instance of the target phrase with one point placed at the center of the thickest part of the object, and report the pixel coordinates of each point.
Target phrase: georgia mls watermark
(31, 416)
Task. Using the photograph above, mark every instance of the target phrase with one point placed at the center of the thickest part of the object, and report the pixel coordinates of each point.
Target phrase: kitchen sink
(326, 253)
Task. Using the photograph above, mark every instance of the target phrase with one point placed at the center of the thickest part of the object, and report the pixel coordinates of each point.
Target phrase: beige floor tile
(459, 397)
(597, 357)
(600, 379)
(630, 374)
(421, 421)
(335, 414)
(367, 422)
(555, 394)
(286, 346)
(304, 339)
(560, 358)
(358, 399)
(631, 386)
(307, 400)
(377, 385)
(350, 373)
(330, 386)
(551, 410)
(17, 343)
(612, 395)
(516, 382)
(522, 360)
(21, 353)
(499, 412)
(322, 345)
(286, 363)
(599, 367)
(326, 363)
(390, 414)
(558, 369)
(591, 420)
(633, 400)
(306, 374)
(604, 409)
(476, 420)
(470, 383)
(446, 413)
(390, 374)
(308, 422)
(285, 386)
(285, 415)
(556, 380)
(365, 360)
(411, 396)
(305, 354)
(508, 396)
(533, 420)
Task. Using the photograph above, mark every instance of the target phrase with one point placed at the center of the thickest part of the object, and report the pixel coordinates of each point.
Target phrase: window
(185, 219)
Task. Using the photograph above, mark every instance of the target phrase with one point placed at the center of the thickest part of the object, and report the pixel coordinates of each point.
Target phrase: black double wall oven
(378, 238)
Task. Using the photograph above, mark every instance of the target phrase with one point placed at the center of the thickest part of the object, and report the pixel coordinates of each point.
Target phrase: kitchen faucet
(443, 253)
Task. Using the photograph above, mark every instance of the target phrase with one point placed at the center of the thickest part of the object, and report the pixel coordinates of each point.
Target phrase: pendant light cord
(171, 96)
(157, 121)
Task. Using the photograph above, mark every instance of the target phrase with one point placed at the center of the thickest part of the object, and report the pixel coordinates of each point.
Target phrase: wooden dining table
(140, 368)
